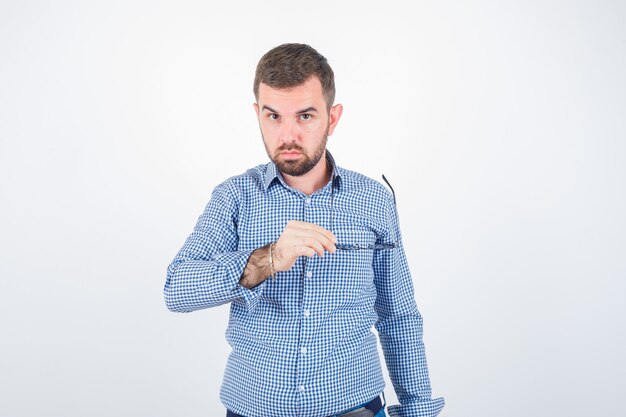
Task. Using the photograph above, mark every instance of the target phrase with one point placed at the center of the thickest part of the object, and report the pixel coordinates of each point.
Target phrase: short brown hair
(292, 64)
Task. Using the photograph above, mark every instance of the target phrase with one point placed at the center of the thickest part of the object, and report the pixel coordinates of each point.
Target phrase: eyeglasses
(375, 246)
(355, 247)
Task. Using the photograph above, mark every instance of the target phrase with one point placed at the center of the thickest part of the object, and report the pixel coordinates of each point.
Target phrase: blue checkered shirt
(302, 344)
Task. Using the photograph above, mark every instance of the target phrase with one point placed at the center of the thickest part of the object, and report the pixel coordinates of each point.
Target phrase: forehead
(306, 94)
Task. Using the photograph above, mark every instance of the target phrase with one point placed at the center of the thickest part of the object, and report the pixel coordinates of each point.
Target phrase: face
(295, 125)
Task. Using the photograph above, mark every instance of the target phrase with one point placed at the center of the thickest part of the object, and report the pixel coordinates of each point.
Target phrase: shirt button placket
(306, 313)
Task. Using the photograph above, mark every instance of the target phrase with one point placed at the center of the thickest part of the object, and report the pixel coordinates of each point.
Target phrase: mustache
(290, 147)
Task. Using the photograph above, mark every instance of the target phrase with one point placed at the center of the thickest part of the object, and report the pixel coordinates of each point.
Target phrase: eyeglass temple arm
(392, 191)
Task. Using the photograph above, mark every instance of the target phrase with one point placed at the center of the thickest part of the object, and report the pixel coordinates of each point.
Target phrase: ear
(256, 109)
(333, 117)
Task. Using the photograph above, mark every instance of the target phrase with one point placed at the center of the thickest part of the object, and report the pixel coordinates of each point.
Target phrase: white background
(501, 125)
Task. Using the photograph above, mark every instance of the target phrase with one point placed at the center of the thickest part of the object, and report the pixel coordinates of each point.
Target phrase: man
(309, 256)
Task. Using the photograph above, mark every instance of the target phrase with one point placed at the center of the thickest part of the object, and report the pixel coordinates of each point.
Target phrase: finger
(312, 227)
(289, 246)
(325, 243)
(324, 236)
(297, 243)
(314, 240)
(314, 244)
(327, 239)
(305, 251)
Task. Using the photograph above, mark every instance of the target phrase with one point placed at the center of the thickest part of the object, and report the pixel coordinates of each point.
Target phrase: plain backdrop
(501, 125)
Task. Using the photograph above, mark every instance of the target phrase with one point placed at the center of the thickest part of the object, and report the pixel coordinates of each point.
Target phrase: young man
(309, 256)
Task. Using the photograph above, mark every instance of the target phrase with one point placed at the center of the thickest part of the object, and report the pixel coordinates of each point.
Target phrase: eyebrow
(307, 110)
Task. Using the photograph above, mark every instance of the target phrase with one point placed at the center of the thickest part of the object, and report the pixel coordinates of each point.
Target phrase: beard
(306, 163)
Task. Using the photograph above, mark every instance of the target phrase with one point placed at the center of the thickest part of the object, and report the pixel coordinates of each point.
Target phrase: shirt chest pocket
(350, 267)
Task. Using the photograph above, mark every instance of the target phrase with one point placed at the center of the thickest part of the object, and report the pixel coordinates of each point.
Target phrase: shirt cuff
(251, 296)
(235, 263)
(426, 408)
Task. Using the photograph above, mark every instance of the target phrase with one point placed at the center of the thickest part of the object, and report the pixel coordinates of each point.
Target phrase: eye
(306, 116)
(273, 116)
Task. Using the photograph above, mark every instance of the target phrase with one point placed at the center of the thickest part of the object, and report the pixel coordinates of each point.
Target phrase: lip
(290, 154)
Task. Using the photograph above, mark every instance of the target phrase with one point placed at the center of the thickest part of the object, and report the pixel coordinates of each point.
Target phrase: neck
(313, 180)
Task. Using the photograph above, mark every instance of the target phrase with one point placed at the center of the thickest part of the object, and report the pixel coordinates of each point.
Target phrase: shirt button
(307, 313)
(307, 200)
(303, 350)
(309, 274)
(301, 389)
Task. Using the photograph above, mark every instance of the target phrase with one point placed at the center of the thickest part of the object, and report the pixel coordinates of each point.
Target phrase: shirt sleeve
(400, 329)
(206, 271)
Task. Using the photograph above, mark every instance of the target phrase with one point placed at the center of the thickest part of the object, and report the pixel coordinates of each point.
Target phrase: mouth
(290, 154)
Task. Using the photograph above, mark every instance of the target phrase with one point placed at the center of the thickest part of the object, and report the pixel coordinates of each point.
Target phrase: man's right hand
(297, 239)
(301, 239)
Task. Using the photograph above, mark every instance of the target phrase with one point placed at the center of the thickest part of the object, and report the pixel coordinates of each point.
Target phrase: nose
(288, 132)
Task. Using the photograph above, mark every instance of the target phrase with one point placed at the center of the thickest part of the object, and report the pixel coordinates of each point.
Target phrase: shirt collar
(272, 173)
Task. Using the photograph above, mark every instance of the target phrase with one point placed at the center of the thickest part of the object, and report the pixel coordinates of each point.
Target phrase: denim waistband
(374, 406)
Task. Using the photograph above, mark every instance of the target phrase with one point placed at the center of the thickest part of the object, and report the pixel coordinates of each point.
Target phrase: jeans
(364, 413)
